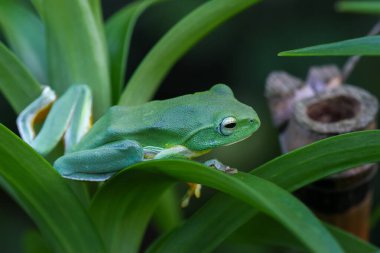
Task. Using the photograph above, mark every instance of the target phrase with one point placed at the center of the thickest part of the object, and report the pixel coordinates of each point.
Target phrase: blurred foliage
(241, 53)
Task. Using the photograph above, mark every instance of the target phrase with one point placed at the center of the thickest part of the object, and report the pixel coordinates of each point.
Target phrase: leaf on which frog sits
(138, 187)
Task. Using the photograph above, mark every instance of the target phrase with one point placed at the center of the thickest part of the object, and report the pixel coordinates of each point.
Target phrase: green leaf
(365, 7)
(351, 243)
(175, 43)
(167, 215)
(25, 34)
(375, 217)
(76, 49)
(119, 29)
(122, 207)
(290, 171)
(16, 83)
(45, 196)
(34, 243)
(264, 230)
(96, 8)
(369, 45)
(139, 187)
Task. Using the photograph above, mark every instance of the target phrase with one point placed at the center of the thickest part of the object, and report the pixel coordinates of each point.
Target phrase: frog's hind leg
(70, 116)
(81, 117)
(100, 163)
(32, 112)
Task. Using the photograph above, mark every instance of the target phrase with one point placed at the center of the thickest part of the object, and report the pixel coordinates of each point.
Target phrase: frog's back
(118, 123)
(143, 123)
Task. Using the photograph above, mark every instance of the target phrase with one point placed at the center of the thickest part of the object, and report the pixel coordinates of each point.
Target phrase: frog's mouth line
(231, 143)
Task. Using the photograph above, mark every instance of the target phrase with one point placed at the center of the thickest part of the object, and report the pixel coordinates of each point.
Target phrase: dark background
(240, 53)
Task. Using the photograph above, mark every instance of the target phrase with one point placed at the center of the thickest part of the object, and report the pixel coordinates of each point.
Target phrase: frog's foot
(220, 166)
(35, 112)
(68, 117)
(193, 190)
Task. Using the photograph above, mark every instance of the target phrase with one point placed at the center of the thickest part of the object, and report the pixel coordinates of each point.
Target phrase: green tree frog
(185, 127)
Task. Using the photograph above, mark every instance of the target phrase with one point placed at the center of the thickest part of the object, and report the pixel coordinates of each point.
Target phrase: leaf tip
(339, 7)
(285, 53)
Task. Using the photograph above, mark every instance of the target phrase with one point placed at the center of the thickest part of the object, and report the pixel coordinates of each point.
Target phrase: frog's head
(216, 119)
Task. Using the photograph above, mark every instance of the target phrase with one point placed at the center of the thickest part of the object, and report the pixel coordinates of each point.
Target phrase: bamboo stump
(304, 114)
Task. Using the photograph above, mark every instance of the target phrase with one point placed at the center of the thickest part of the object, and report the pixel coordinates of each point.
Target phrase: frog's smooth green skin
(185, 126)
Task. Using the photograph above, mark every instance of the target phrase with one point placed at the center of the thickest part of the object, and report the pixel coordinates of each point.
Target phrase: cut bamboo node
(305, 112)
(343, 199)
(341, 110)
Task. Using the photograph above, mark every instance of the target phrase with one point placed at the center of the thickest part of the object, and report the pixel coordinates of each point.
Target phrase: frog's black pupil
(230, 125)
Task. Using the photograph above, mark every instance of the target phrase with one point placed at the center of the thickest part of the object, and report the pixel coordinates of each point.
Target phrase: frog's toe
(193, 190)
(214, 163)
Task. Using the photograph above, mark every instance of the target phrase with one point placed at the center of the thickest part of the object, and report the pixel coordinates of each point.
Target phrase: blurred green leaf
(76, 49)
(365, 7)
(175, 43)
(45, 196)
(122, 207)
(290, 171)
(369, 45)
(351, 243)
(264, 230)
(25, 34)
(96, 8)
(119, 29)
(375, 216)
(168, 213)
(16, 82)
(35, 243)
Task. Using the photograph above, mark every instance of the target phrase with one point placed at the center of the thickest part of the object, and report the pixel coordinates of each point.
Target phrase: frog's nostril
(251, 121)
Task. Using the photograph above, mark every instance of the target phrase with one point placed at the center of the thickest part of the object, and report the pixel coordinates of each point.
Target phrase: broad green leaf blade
(369, 45)
(123, 206)
(25, 34)
(351, 243)
(290, 171)
(323, 158)
(168, 214)
(375, 217)
(76, 49)
(119, 30)
(175, 43)
(16, 82)
(34, 243)
(365, 7)
(265, 230)
(96, 8)
(256, 192)
(45, 196)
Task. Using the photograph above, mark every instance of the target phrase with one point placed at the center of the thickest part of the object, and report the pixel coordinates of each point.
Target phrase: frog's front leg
(181, 151)
(195, 189)
(100, 163)
(70, 116)
(177, 151)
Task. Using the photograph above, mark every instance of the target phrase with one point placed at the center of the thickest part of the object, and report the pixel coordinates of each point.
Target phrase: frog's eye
(227, 126)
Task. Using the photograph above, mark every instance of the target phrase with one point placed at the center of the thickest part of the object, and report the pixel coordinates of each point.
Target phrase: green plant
(115, 218)
(358, 46)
